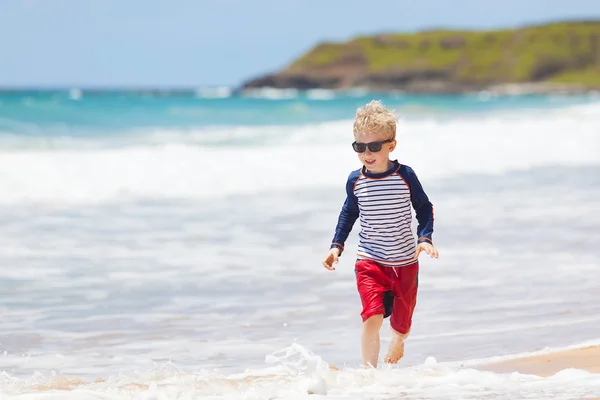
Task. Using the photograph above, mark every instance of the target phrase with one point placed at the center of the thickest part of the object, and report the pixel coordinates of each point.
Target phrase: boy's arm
(348, 215)
(421, 204)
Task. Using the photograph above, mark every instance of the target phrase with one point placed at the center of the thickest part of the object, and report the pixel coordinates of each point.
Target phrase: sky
(83, 43)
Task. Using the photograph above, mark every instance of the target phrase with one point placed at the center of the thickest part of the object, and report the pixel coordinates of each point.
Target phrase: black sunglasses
(374, 147)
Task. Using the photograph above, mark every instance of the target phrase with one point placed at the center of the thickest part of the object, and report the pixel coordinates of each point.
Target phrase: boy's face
(375, 161)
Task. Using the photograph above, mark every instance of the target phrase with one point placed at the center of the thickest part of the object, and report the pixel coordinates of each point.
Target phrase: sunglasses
(374, 147)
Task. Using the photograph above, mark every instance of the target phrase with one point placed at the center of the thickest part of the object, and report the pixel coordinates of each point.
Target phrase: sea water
(168, 245)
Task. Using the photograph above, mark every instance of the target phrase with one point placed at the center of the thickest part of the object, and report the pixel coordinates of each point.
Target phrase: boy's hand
(427, 248)
(332, 258)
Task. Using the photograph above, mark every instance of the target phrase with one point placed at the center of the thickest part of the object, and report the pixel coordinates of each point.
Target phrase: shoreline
(545, 363)
(504, 89)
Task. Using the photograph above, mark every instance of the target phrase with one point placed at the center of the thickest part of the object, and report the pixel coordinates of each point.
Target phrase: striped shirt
(382, 203)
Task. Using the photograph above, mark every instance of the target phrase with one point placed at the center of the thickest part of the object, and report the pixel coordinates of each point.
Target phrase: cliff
(554, 56)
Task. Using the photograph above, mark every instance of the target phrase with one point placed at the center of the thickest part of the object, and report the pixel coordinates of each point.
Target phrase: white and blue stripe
(383, 203)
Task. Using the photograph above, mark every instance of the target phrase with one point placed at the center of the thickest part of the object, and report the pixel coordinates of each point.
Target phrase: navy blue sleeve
(421, 204)
(348, 214)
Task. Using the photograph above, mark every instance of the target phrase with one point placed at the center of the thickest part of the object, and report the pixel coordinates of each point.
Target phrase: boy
(381, 194)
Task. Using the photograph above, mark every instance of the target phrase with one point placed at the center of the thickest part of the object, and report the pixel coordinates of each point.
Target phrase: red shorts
(389, 291)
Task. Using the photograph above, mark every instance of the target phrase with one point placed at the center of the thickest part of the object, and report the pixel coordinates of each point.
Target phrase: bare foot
(396, 349)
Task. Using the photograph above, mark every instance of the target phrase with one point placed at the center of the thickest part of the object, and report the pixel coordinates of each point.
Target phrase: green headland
(560, 56)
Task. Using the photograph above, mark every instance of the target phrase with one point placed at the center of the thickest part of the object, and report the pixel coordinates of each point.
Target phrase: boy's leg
(370, 340)
(404, 286)
(371, 282)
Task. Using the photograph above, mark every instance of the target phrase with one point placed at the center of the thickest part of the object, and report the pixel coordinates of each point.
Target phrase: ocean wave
(580, 117)
(296, 372)
(220, 161)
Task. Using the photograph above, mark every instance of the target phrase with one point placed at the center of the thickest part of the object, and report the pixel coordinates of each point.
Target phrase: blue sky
(218, 42)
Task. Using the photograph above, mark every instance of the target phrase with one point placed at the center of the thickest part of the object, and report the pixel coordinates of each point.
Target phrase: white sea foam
(242, 160)
(219, 92)
(297, 374)
(271, 93)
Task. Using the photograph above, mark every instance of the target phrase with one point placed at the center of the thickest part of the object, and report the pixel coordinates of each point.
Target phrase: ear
(392, 145)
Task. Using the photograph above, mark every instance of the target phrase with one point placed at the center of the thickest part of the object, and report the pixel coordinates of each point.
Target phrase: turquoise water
(81, 113)
(171, 245)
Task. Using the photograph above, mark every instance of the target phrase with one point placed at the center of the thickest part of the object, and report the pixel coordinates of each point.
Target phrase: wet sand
(586, 358)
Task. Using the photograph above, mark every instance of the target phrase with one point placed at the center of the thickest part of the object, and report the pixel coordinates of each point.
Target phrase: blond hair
(375, 118)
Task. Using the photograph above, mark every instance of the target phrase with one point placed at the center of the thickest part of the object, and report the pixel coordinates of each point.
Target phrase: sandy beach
(585, 358)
